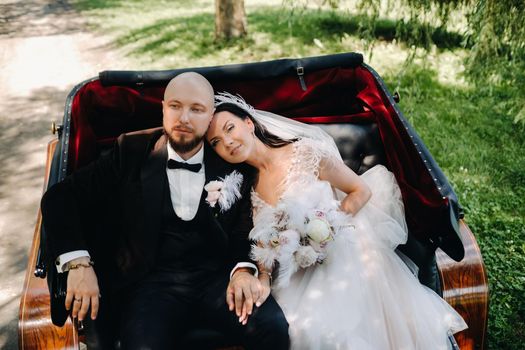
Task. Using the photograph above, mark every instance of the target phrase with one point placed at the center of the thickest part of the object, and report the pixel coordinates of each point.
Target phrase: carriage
(339, 93)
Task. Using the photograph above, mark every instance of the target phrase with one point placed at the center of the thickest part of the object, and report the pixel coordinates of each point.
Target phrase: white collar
(197, 158)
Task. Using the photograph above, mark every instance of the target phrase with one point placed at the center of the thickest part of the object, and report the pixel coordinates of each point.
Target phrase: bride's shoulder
(313, 148)
(307, 155)
(306, 144)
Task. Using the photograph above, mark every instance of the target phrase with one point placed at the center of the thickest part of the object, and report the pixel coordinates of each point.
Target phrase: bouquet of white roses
(293, 241)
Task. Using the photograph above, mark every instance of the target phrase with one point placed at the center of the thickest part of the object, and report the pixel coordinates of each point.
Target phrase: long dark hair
(261, 132)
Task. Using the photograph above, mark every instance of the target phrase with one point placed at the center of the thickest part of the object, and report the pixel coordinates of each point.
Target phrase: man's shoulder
(141, 135)
(139, 140)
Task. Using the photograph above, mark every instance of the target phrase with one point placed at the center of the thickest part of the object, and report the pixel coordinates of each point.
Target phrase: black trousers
(160, 312)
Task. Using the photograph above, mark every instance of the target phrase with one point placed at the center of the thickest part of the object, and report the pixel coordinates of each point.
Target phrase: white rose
(213, 197)
(305, 256)
(318, 230)
(214, 192)
(213, 186)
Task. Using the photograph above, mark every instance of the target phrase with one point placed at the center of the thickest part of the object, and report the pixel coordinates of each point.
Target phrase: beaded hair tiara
(226, 97)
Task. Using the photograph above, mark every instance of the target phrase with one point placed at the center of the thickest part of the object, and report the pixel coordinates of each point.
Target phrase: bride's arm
(345, 179)
(265, 279)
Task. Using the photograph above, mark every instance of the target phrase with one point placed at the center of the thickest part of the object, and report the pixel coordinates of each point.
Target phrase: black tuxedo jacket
(112, 208)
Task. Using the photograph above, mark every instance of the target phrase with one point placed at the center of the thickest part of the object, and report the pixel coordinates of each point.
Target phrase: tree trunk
(230, 19)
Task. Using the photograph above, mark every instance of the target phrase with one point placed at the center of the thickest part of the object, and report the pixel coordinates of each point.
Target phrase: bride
(327, 237)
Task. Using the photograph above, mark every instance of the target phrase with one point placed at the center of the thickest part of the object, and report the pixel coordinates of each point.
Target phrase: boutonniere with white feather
(224, 192)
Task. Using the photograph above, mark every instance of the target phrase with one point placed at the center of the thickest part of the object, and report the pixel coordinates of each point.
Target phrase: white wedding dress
(362, 296)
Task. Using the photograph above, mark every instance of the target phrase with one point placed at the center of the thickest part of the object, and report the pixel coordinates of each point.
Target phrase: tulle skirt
(363, 296)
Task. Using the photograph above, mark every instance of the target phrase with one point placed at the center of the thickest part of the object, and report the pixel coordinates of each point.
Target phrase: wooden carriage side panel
(35, 329)
(465, 287)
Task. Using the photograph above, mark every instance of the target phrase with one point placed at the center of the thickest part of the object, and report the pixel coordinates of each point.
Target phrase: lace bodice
(303, 169)
(282, 230)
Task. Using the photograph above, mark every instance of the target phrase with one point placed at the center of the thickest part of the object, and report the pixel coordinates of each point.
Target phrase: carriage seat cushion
(359, 144)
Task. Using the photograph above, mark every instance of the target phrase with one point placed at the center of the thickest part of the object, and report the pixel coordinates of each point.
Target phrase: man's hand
(82, 290)
(243, 291)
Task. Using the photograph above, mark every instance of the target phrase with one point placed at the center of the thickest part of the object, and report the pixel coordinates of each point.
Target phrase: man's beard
(184, 146)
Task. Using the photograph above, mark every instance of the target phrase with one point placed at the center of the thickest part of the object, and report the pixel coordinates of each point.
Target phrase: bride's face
(231, 137)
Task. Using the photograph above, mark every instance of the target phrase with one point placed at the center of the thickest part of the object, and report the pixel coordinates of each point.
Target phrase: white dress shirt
(186, 186)
(185, 191)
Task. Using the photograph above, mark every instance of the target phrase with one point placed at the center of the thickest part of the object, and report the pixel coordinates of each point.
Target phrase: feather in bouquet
(289, 240)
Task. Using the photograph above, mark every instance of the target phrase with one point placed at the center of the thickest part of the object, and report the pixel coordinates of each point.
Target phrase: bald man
(164, 257)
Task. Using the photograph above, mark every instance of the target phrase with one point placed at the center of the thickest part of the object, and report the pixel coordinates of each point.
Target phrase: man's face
(187, 112)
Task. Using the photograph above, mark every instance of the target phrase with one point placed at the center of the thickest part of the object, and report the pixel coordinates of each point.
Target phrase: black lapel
(214, 168)
(154, 179)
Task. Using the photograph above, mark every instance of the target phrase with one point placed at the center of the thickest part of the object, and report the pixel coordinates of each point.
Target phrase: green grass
(470, 132)
(482, 152)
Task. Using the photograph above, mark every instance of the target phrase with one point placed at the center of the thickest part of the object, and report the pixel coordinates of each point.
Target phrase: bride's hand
(345, 179)
(241, 294)
(353, 202)
(264, 289)
(265, 280)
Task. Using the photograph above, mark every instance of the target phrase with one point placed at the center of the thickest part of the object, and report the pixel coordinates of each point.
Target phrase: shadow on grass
(87, 5)
(194, 35)
(311, 24)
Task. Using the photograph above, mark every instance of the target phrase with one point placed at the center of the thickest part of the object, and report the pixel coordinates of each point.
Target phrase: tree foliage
(493, 32)
(497, 36)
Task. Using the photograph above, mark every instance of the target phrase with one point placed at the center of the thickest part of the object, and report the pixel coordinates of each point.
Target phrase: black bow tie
(173, 164)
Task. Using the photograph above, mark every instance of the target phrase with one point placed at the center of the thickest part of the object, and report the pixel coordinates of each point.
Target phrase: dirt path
(45, 49)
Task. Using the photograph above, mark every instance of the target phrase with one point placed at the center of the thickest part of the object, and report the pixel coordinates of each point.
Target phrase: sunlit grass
(170, 34)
